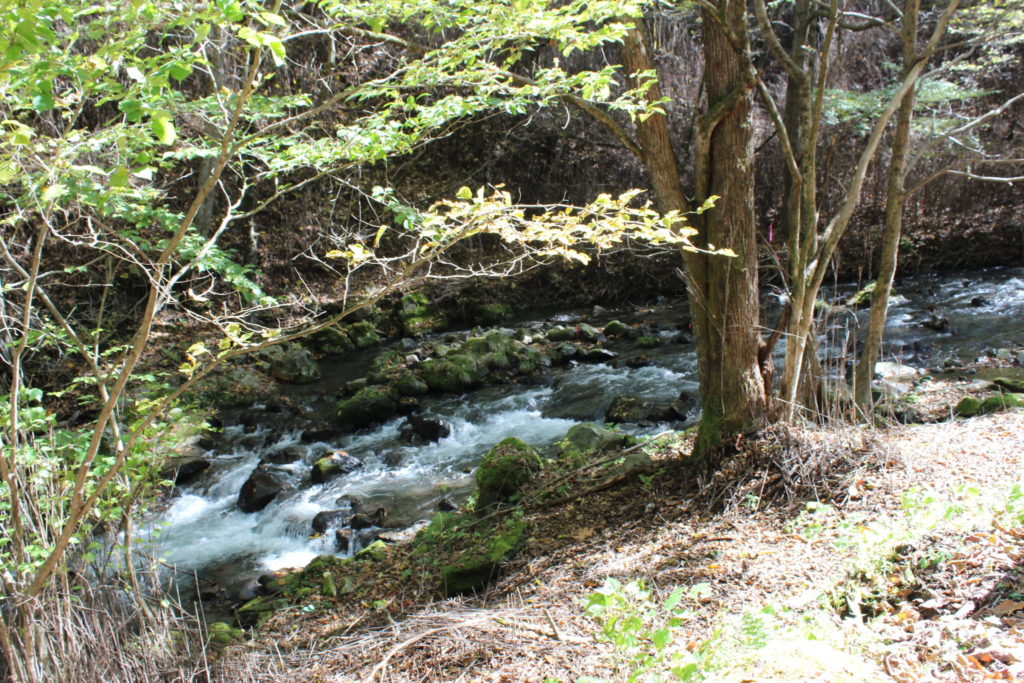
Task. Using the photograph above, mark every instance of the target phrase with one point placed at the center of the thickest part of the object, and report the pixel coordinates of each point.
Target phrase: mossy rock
(369, 405)
(375, 551)
(387, 361)
(969, 406)
(295, 364)
(863, 296)
(491, 314)
(409, 384)
(1009, 384)
(452, 374)
(618, 329)
(221, 633)
(561, 333)
(999, 402)
(363, 334)
(418, 316)
(588, 333)
(588, 437)
(258, 610)
(477, 567)
(333, 340)
(648, 341)
(333, 465)
(503, 472)
(530, 360)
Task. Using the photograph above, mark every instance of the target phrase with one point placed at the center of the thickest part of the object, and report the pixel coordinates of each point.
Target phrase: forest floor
(818, 554)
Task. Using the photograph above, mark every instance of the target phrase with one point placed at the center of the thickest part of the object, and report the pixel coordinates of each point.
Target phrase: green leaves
(162, 127)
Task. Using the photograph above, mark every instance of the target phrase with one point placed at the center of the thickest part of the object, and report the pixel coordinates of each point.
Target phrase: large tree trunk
(722, 290)
(725, 302)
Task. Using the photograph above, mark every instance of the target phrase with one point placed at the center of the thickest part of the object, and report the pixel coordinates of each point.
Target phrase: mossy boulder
(258, 610)
(221, 633)
(333, 465)
(369, 405)
(375, 551)
(334, 340)
(588, 437)
(408, 384)
(295, 364)
(588, 333)
(479, 565)
(994, 404)
(862, 297)
(491, 314)
(418, 316)
(363, 334)
(530, 360)
(618, 329)
(503, 472)
(561, 333)
(1011, 384)
(969, 406)
(453, 374)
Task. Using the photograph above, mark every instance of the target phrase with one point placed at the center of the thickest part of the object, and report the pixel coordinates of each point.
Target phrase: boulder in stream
(260, 488)
(330, 519)
(452, 374)
(370, 405)
(417, 428)
(334, 465)
(628, 409)
(186, 471)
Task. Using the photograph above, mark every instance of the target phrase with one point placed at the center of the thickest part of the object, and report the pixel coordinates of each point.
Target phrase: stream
(202, 529)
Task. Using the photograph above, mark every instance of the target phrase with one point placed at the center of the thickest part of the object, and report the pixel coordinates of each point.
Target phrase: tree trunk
(722, 290)
(895, 200)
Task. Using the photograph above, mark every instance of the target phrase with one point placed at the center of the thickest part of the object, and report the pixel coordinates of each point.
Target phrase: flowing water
(203, 529)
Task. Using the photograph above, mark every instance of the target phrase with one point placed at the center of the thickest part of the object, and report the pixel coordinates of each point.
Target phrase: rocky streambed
(361, 441)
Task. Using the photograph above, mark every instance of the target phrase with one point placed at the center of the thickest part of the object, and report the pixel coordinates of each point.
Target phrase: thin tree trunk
(895, 200)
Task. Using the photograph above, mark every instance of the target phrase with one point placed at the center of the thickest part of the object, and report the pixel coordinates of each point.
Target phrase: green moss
(994, 404)
(452, 374)
(221, 633)
(409, 385)
(490, 314)
(375, 551)
(585, 438)
(504, 470)
(969, 406)
(1009, 384)
(617, 329)
(258, 610)
(561, 333)
(587, 333)
(363, 334)
(479, 565)
(418, 316)
(862, 297)
(530, 360)
(648, 341)
(369, 405)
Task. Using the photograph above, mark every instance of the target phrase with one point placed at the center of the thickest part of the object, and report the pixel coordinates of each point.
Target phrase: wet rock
(366, 521)
(408, 405)
(446, 505)
(648, 341)
(250, 589)
(682, 406)
(980, 301)
(639, 362)
(1004, 354)
(187, 471)
(320, 433)
(628, 409)
(294, 364)
(504, 470)
(330, 519)
(589, 334)
(284, 456)
(426, 429)
(598, 356)
(368, 406)
(260, 488)
(563, 353)
(334, 465)
(342, 540)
